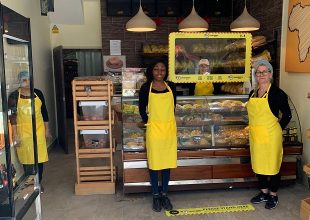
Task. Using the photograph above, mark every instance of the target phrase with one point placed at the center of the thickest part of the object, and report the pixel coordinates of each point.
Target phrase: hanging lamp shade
(193, 22)
(141, 23)
(245, 22)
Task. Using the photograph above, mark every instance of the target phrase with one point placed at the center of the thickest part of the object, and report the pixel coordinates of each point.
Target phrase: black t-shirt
(13, 99)
(278, 101)
(144, 97)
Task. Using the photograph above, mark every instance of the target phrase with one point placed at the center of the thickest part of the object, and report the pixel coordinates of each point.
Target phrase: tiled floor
(59, 201)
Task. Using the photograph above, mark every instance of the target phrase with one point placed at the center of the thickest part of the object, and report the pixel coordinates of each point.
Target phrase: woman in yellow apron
(156, 106)
(266, 133)
(20, 104)
(204, 88)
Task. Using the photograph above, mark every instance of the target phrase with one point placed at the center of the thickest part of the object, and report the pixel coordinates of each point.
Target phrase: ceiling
(68, 12)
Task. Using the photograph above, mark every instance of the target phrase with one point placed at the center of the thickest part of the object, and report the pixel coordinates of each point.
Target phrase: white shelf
(94, 132)
(93, 103)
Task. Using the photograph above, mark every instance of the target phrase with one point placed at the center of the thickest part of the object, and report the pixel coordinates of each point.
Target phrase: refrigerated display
(19, 186)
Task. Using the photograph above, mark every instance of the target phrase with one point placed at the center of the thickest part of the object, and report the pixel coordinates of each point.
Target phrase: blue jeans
(165, 174)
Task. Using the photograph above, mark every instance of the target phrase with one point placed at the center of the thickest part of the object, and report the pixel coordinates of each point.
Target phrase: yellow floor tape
(209, 210)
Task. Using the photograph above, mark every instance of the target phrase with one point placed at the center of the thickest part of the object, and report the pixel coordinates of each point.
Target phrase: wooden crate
(93, 90)
(92, 179)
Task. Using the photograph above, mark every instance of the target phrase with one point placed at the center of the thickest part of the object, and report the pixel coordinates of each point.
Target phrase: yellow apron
(161, 131)
(25, 151)
(204, 88)
(265, 137)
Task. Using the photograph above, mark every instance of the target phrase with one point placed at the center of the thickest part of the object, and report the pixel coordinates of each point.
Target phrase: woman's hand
(48, 135)
(15, 136)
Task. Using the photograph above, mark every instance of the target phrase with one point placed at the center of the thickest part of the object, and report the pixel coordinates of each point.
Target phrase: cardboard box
(305, 209)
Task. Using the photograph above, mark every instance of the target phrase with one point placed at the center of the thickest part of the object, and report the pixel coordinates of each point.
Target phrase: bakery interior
(90, 43)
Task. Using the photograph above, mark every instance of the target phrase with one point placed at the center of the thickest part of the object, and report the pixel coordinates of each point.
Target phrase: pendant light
(245, 22)
(140, 22)
(193, 22)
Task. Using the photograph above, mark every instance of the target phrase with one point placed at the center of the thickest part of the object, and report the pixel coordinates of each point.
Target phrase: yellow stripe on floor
(210, 210)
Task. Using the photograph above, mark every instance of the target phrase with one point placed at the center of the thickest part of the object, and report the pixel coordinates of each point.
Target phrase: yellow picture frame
(228, 54)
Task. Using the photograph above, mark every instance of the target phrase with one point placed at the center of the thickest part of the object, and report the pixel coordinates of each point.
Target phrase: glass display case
(19, 186)
(213, 144)
(203, 122)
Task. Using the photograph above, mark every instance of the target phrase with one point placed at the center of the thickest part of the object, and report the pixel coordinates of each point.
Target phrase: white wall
(297, 86)
(87, 35)
(41, 51)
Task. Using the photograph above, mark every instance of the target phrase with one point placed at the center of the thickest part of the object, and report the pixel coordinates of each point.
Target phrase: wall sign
(209, 57)
(297, 42)
(46, 6)
(115, 47)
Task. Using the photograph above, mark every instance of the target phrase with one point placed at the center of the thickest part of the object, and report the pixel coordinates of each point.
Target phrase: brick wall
(114, 28)
(268, 12)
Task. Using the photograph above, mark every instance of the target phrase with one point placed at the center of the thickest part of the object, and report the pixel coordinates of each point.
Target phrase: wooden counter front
(215, 168)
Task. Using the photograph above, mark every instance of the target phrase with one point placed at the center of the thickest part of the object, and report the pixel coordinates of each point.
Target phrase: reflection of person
(21, 118)
(266, 133)
(157, 99)
(204, 66)
(204, 88)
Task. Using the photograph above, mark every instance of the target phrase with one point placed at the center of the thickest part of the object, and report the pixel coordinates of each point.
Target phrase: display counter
(213, 146)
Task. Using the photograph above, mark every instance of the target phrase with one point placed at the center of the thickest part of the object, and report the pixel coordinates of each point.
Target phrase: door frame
(61, 115)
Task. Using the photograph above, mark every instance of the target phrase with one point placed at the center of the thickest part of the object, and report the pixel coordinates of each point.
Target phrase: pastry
(239, 141)
(195, 133)
(216, 117)
(203, 141)
(207, 136)
(258, 41)
(222, 141)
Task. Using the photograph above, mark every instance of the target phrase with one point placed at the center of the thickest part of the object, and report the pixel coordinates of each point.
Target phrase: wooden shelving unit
(95, 170)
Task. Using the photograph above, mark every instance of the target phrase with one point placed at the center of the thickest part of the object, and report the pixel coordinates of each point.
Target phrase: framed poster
(297, 42)
(114, 63)
(209, 57)
(46, 6)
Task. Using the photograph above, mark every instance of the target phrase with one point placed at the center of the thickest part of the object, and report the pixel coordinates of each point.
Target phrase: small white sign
(93, 103)
(94, 132)
(115, 47)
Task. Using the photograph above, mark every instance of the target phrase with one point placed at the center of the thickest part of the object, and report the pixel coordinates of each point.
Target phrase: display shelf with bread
(267, 49)
(94, 145)
(213, 145)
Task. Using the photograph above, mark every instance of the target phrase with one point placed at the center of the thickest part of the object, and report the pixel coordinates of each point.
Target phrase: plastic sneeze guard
(94, 132)
(93, 103)
(209, 57)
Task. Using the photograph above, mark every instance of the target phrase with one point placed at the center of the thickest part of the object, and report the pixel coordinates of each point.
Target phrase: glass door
(18, 113)
(5, 189)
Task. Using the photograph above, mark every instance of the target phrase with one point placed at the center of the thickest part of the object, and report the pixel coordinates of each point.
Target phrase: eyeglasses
(263, 73)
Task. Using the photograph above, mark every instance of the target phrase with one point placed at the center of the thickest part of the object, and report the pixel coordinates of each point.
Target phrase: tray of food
(227, 105)
(185, 107)
(196, 120)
